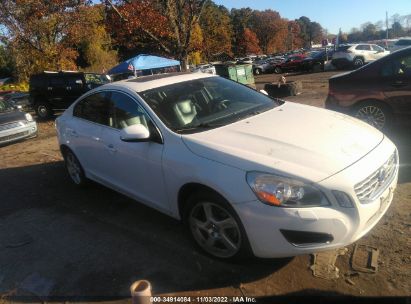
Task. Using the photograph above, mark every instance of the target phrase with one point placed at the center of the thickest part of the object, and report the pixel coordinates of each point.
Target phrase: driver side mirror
(135, 133)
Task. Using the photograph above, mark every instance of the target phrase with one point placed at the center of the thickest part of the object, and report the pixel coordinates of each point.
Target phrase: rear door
(74, 88)
(57, 91)
(396, 75)
(90, 115)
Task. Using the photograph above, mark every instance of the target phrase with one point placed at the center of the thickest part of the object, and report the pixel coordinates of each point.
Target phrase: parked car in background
(245, 60)
(15, 124)
(205, 68)
(18, 99)
(246, 173)
(378, 93)
(401, 43)
(316, 60)
(292, 63)
(262, 66)
(51, 91)
(356, 55)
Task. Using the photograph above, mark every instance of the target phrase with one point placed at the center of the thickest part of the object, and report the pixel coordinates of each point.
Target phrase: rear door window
(94, 108)
(363, 47)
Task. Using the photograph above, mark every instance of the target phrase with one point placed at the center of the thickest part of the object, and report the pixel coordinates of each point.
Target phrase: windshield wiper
(203, 125)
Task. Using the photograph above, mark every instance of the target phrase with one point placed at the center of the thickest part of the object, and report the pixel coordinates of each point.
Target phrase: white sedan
(246, 173)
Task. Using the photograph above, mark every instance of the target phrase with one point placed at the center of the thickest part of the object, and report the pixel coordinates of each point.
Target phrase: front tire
(43, 110)
(374, 113)
(277, 70)
(258, 71)
(358, 62)
(215, 227)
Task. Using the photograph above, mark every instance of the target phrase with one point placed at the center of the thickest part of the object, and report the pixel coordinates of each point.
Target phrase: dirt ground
(60, 242)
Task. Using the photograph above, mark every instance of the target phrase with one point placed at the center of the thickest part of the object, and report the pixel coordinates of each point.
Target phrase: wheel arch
(374, 100)
(188, 189)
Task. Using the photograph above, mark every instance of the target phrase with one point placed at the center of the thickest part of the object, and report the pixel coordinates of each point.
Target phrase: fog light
(343, 199)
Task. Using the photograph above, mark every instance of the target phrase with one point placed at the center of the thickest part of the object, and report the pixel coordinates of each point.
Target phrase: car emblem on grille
(382, 175)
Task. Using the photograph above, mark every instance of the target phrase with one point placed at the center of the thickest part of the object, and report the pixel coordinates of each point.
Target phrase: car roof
(144, 83)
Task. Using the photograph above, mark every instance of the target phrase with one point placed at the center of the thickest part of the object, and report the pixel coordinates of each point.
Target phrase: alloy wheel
(373, 115)
(73, 168)
(215, 229)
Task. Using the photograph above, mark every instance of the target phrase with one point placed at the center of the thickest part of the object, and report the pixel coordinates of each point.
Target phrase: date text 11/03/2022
(223, 299)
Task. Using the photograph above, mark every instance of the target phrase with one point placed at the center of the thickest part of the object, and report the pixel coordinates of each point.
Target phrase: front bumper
(346, 225)
(22, 130)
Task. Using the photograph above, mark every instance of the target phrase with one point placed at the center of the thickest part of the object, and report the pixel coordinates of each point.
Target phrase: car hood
(292, 140)
(14, 115)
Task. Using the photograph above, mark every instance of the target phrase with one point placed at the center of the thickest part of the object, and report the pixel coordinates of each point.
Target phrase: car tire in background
(358, 62)
(43, 110)
(278, 70)
(215, 227)
(375, 113)
(74, 168)
(258, 71)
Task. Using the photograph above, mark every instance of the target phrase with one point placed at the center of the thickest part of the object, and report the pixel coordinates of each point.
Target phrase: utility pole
(386, 23)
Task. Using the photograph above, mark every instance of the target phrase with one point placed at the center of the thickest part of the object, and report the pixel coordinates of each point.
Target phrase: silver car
(15, 124)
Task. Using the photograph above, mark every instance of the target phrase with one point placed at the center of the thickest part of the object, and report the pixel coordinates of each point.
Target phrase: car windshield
(96, 79)
(201, 104)
(5, 106)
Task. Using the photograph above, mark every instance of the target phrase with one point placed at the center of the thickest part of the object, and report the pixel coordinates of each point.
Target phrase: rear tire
(43, 110)
(215, 227)
(258, 71)
(375, 113)
(278, 70)
(74, 168)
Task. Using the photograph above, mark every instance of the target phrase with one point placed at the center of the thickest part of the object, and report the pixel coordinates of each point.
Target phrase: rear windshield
(343, 48)
(404, 42)
(96, 79)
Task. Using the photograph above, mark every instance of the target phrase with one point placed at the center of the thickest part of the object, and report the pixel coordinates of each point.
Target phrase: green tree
(96, 53)
(217, 30)
(309, 31)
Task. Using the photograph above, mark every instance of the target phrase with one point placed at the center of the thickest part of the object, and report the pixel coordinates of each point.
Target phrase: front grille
(14, 136)
(377, 182)
(11, 125)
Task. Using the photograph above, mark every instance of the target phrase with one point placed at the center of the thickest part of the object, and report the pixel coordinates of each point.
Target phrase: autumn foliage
(80, 34)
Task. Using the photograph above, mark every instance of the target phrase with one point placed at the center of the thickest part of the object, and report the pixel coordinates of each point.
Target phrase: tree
(310, 31)
(217, 30)
(249, 43)
(96, 53)
(270, 28)
(6, 64)
(397, 29)
(240, 20)
(41, 34)
(171, 30)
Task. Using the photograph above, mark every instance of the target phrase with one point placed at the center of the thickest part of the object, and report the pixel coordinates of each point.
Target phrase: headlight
(284, 192)
(29, 117)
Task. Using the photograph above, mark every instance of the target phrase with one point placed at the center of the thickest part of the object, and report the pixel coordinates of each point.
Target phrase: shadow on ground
(58, 240)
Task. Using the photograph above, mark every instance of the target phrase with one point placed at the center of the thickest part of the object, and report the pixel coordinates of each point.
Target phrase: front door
(135, 168)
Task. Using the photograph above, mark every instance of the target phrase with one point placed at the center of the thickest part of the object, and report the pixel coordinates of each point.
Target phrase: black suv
(51, 91)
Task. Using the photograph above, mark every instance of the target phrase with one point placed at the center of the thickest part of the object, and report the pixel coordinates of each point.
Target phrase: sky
(331, 14)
